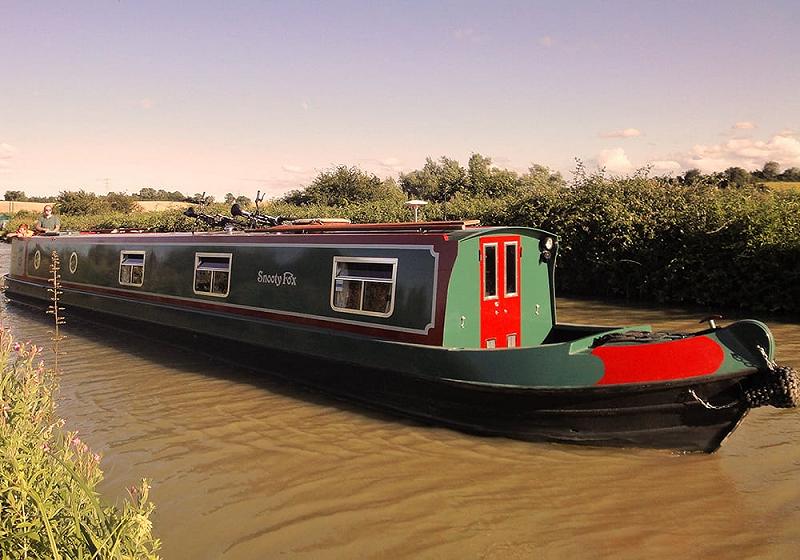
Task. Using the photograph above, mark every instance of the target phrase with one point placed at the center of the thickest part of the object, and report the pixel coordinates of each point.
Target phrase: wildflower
(17, 347)
(46, 447)
(134, 494)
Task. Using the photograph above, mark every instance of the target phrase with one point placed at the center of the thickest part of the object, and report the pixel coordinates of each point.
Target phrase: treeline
(146, 193)
(740, 177)
(443, 179)
(438, 181)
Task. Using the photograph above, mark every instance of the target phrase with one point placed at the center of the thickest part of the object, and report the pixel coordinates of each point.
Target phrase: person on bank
(47, 222)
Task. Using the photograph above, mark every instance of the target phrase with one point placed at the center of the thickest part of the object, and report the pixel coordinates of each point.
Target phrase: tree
(80, 202)
(243, 201)
(736, 177)
(15, 195)
(147, 193)
(541, 176)
(202, 198)
(120, 202)
(691, 177)
(229, 198)
(770, 171)
(344, 185)
(791, 174)
(436, 181)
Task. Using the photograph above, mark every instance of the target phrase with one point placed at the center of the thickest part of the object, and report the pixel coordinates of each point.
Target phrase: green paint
(463, 299)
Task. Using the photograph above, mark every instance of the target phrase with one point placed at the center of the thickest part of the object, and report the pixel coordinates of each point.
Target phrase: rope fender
(778, 386)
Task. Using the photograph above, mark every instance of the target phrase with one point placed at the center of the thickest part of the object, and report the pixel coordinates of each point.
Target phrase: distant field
(783, 185)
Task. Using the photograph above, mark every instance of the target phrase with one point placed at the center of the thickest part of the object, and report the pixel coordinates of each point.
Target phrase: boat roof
(456, 230)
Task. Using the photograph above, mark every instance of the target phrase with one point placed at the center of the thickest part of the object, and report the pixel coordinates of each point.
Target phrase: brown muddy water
(246, 467)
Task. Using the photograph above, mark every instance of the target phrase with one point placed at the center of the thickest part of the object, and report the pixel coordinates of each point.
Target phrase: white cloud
(614, 160)
(546, 41)
(623, 133)
(296, 169)
(744, 125)
(745, 152)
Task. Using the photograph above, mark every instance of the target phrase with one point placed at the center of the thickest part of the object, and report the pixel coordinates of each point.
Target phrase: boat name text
(277, 279)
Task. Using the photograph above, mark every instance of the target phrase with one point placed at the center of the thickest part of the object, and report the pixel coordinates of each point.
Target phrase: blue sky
(240, 96)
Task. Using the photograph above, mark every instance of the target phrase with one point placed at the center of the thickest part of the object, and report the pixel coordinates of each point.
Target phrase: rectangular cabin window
(364, 285)
(131, 268)
(511, 268)
(490, 271)
(212, 274)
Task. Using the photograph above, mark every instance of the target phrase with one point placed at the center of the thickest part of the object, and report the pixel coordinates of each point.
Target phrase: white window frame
(122, 255)
(516, 268)
(197, 257)
(496, 295)
(393, 281)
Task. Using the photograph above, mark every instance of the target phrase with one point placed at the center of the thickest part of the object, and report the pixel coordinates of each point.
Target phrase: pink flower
(17, 347)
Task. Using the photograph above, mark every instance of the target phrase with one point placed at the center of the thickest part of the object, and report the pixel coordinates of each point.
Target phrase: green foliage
(77, 203)
(243, 201)
(149, 193)
(80, 202)
(437, 181)
(22, 197)
(344, 185)
(49, 505)
(14, 195)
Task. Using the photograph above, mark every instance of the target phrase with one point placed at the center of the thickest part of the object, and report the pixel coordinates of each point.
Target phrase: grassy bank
(49, 505)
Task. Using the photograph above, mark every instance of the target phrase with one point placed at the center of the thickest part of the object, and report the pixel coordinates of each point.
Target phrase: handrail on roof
(380, 227)
(321, 226)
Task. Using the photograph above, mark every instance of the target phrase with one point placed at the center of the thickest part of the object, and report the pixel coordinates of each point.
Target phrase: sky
(243, 96)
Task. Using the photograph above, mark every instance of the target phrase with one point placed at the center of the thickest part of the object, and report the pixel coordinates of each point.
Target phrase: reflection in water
(247, 467)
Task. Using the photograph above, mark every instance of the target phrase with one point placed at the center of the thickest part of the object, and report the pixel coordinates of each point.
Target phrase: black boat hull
(688, 415)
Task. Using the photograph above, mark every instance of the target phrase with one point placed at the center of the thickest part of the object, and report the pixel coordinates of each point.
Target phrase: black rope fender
(775, 385)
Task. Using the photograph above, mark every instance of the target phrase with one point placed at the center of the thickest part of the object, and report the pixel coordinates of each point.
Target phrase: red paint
(500, 313)
(678, 359)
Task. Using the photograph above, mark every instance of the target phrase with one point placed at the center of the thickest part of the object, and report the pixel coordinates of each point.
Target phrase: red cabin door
(500, 291)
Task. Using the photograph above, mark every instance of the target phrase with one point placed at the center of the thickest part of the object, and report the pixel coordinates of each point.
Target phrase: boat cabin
(450, 284)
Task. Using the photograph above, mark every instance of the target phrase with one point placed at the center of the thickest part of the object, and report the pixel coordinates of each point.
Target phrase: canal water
(246, 467)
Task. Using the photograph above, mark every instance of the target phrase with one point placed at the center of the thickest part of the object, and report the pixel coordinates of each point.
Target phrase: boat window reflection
(364, 285)
(212, 274)
(131, 268)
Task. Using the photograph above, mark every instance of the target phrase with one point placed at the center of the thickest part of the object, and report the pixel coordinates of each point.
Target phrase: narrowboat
(448, 322)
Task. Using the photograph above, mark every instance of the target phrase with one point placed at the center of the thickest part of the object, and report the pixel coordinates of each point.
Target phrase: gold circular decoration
(73, 262)
(37, 259)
